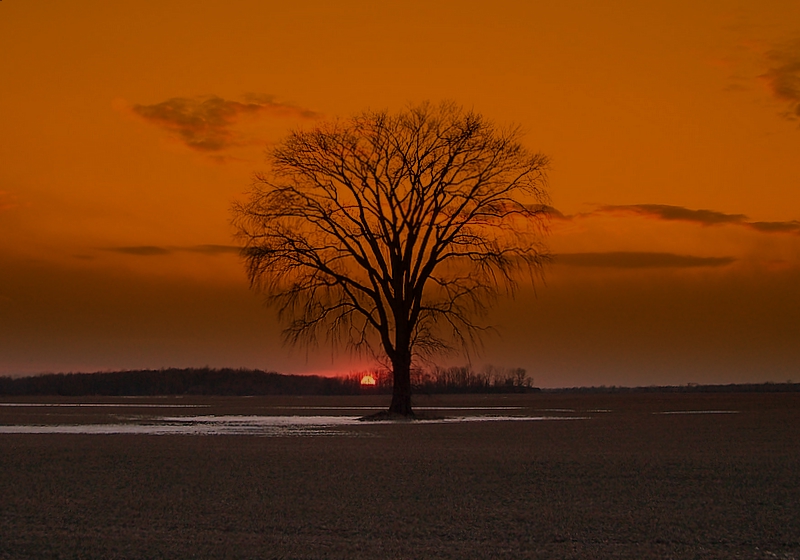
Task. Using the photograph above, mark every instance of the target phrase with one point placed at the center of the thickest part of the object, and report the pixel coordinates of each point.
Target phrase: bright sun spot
(368, 380)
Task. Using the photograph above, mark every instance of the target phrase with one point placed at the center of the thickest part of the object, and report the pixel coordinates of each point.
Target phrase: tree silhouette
(395, 232)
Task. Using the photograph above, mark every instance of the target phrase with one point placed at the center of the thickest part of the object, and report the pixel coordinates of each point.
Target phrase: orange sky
(674, 128)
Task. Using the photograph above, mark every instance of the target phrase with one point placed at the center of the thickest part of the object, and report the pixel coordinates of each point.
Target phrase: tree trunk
(401, 393)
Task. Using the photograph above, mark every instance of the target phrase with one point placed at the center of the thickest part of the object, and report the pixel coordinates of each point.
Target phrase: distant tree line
(766, 387)
(244, 382)
(463, 379)
(205, 381)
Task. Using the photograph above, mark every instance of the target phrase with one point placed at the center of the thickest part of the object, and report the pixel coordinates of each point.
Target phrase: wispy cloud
(783, 77)
(279, 109)
(206, 123)
(155, 251)
(702, 217)
(627, 260)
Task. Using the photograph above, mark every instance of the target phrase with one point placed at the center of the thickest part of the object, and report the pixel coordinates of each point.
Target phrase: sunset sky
(127, 129)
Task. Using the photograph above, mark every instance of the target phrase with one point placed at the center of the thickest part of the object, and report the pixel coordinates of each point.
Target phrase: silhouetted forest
(204, 381)
(244, 382)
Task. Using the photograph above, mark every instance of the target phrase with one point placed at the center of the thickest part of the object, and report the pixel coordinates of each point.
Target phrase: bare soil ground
(628, 482)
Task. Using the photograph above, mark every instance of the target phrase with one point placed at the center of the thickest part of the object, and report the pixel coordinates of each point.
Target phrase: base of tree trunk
(401, 404)
(387, 415)
(399, 410)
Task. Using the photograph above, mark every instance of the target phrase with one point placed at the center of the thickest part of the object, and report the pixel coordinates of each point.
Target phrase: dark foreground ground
(629, 482)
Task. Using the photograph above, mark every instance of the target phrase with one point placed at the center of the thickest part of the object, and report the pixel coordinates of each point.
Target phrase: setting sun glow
(368, 380)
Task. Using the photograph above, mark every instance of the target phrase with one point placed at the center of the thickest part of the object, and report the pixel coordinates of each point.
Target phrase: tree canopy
(395, 232)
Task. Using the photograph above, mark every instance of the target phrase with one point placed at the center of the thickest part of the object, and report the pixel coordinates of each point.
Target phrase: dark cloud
(703, 217)
(622, 259)
(792, 226)
(204, 123)
(679, 213)
(141, 250)
(213, 249)
(736, 87)
(783, 77)
(554, 213)
(152, 250)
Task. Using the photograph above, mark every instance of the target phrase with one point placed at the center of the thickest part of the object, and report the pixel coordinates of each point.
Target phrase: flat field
(558, 476)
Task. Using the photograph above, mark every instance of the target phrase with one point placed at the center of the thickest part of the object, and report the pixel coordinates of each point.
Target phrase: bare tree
(395, 232)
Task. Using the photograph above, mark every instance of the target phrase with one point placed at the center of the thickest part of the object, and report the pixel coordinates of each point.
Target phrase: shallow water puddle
(269, 426)
(104, 405)
(443, 407)
(203, 425)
